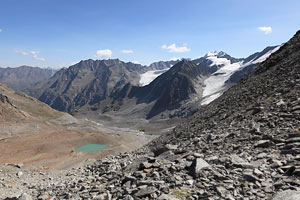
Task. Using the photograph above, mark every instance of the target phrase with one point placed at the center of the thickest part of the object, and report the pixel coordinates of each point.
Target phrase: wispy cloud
(266, 29)
(174, 49)
(127, 51)
(21, 52)
(104, 53)
(0, 30)
(34, 54)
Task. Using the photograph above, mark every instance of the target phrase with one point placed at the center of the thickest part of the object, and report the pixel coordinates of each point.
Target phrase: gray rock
(25, 196)
(287, 195)
(20, 173)
(240, 163)
(171, 147)
(263, 143)
(250, 177)
(167, 197)
(197, 165)
(145, 192)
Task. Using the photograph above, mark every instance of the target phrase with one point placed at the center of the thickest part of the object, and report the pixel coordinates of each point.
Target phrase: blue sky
(57, 33)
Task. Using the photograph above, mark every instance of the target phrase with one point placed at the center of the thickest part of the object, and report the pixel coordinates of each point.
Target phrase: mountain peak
(215, 54)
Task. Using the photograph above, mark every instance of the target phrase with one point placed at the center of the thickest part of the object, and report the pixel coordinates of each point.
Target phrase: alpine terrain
(242, 145)
(24, 78)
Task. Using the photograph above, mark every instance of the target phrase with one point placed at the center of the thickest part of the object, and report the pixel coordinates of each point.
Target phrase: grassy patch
(180, 193)
(295, 130)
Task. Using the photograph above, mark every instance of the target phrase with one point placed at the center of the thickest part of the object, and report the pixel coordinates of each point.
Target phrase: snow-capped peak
(215, 54)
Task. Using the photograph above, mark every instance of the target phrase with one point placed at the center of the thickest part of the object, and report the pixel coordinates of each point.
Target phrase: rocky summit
(243, 145)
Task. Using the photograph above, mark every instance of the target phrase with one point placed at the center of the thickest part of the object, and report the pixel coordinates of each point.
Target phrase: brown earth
(34, 134)
(55, 149)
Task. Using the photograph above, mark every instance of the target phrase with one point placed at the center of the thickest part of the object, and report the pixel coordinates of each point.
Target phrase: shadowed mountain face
(24, 77)
(167, 91)
(86, 83)
(92, 84)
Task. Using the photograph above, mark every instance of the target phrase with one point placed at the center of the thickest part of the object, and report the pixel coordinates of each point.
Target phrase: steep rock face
(24, 77)
(168, 90)
(86, 83)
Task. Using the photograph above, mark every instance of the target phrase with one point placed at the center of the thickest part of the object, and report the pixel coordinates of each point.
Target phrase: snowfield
(212, 56)
(149, 76)
(215, 84)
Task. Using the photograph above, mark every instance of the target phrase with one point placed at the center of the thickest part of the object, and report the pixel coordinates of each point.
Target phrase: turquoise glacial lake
(91, 147)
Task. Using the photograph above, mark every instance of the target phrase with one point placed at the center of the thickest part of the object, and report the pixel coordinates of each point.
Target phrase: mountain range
(161, 88)
(24, 77)
(242, 145)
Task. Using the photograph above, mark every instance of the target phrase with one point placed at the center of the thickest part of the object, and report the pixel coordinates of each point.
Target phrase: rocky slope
(89, 82)
(86, 82)
(243, 145)
(167, 92)
(24, 77)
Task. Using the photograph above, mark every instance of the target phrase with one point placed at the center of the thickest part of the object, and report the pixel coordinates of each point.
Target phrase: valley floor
(48, 148)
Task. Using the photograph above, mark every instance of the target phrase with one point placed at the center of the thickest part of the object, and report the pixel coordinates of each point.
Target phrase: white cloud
(0, 30)
(104, 53)
(174, 59)
(33, 53)
(174, 49)
(35, 56)
(127, 51)
(21, 52)
(266, 29)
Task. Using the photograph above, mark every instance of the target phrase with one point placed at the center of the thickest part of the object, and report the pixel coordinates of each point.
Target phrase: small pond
(91, 147)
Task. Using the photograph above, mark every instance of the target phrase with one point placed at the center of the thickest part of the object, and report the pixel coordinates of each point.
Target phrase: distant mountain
(251, 62)
(154, 70)
(24, 77)
(90, 82)
(86, 83)
(214, 60)
(166, 88)
(167, 92)
(227, 70)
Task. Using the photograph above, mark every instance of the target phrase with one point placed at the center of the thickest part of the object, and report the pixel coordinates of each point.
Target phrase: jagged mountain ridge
(90, 83)
(24, 77)
(86, 82)
(181, 82)
(214, 60)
